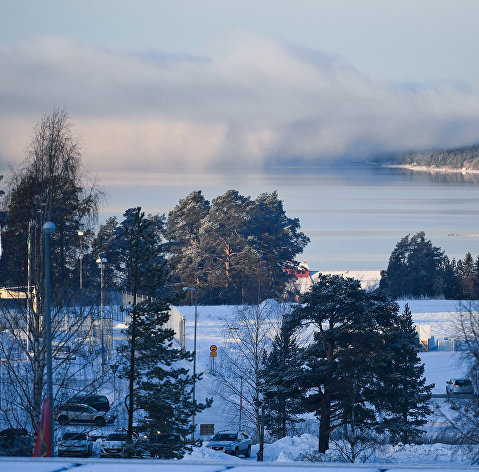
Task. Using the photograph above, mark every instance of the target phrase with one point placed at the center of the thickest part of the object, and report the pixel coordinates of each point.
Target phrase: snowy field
(292, 453)
(441, 315)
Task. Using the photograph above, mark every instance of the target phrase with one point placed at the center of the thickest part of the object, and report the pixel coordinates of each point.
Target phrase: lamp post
(194, 361)
(101, 261)
(80, 234)
(48, 229)
(114, 368)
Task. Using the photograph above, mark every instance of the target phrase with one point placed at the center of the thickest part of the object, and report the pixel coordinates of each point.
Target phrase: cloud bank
(251, 101)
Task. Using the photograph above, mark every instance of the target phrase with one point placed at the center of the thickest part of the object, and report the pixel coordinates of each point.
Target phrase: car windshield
(81, 436)
(225, 437)
(117, 437)
(463, 382)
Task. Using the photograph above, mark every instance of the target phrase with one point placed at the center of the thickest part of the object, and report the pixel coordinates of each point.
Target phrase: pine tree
(182, 232)
(416, 268)
(401, 393)
(224, 247)
(156, 384)
(276, 240)
(348, 324)
(397, 271)
(468, 277)
(282, 384)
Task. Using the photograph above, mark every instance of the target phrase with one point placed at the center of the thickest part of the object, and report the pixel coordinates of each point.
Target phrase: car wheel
(63, 420)
(99, 421)
(248, 452)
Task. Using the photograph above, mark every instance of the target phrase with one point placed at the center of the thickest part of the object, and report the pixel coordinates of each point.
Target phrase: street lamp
(194, 360)
(101, 261)
(80, 234)
(48, 229)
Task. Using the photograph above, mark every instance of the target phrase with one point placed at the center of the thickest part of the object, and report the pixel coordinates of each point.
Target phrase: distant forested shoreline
(457, 158)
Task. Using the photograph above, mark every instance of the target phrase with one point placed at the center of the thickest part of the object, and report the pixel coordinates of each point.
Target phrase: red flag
(42, 446)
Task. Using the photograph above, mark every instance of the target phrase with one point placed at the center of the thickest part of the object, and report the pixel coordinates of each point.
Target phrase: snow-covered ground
(442, 317)
(292, 452)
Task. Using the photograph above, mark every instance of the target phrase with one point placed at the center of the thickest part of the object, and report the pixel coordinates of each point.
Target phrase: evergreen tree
(416, 268)
(224, 247)
(467, 273)
(156, 383)
(282, 384)
(451, 287)
(397, 271)
(182, 232)
(348, 324)
(277, 241)
(425, 262)
(401, 393)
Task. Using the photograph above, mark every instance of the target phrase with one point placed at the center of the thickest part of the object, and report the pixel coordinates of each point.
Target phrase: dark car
(99, 402)
(16, 442)
(162, 445)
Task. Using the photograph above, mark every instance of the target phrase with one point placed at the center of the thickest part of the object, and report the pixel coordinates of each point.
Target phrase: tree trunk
(259, 454)
(131, 380)
(324, 423)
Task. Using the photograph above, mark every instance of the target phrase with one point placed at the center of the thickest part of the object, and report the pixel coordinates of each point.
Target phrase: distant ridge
(466, 157)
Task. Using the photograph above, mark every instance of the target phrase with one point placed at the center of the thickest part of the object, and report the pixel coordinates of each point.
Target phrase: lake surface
(354, 215)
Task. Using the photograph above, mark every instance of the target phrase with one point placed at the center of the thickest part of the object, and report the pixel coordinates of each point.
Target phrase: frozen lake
(354, 215)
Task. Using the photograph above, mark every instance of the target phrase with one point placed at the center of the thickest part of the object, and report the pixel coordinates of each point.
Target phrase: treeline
(456, 158)
(417, 268)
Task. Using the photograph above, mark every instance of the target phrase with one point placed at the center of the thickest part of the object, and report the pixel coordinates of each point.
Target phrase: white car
(231, 442)
(79, 413)
(115, 444)
(75, 444)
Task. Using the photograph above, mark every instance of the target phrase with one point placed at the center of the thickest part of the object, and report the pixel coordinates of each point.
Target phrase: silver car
(79, 413)
(231, 442)
(116, 445)
(75, 444)
(455, 386)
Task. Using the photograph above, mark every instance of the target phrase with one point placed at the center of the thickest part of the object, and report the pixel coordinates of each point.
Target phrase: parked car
(231, 442)
(99, 402)
(16, 442)
(80, 413)
(116, 444)
(75, 444)
(463, 386)
(161, 445)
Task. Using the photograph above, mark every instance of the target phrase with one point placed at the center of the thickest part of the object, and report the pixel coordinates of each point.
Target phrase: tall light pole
(48, 229)
(101, 261)
(194, 361)
(80, 234)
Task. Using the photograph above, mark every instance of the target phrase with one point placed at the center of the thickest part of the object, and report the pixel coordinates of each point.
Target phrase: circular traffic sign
(213, 348)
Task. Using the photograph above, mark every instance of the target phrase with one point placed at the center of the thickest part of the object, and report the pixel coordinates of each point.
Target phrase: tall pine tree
(157, 384)
(401, 393)
(282, 384)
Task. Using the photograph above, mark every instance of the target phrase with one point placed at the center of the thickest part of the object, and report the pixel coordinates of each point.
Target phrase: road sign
(207, 429)
(213, 354)
(213, 348)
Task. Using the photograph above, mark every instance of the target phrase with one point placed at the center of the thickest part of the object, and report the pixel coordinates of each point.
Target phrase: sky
(154, 84)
